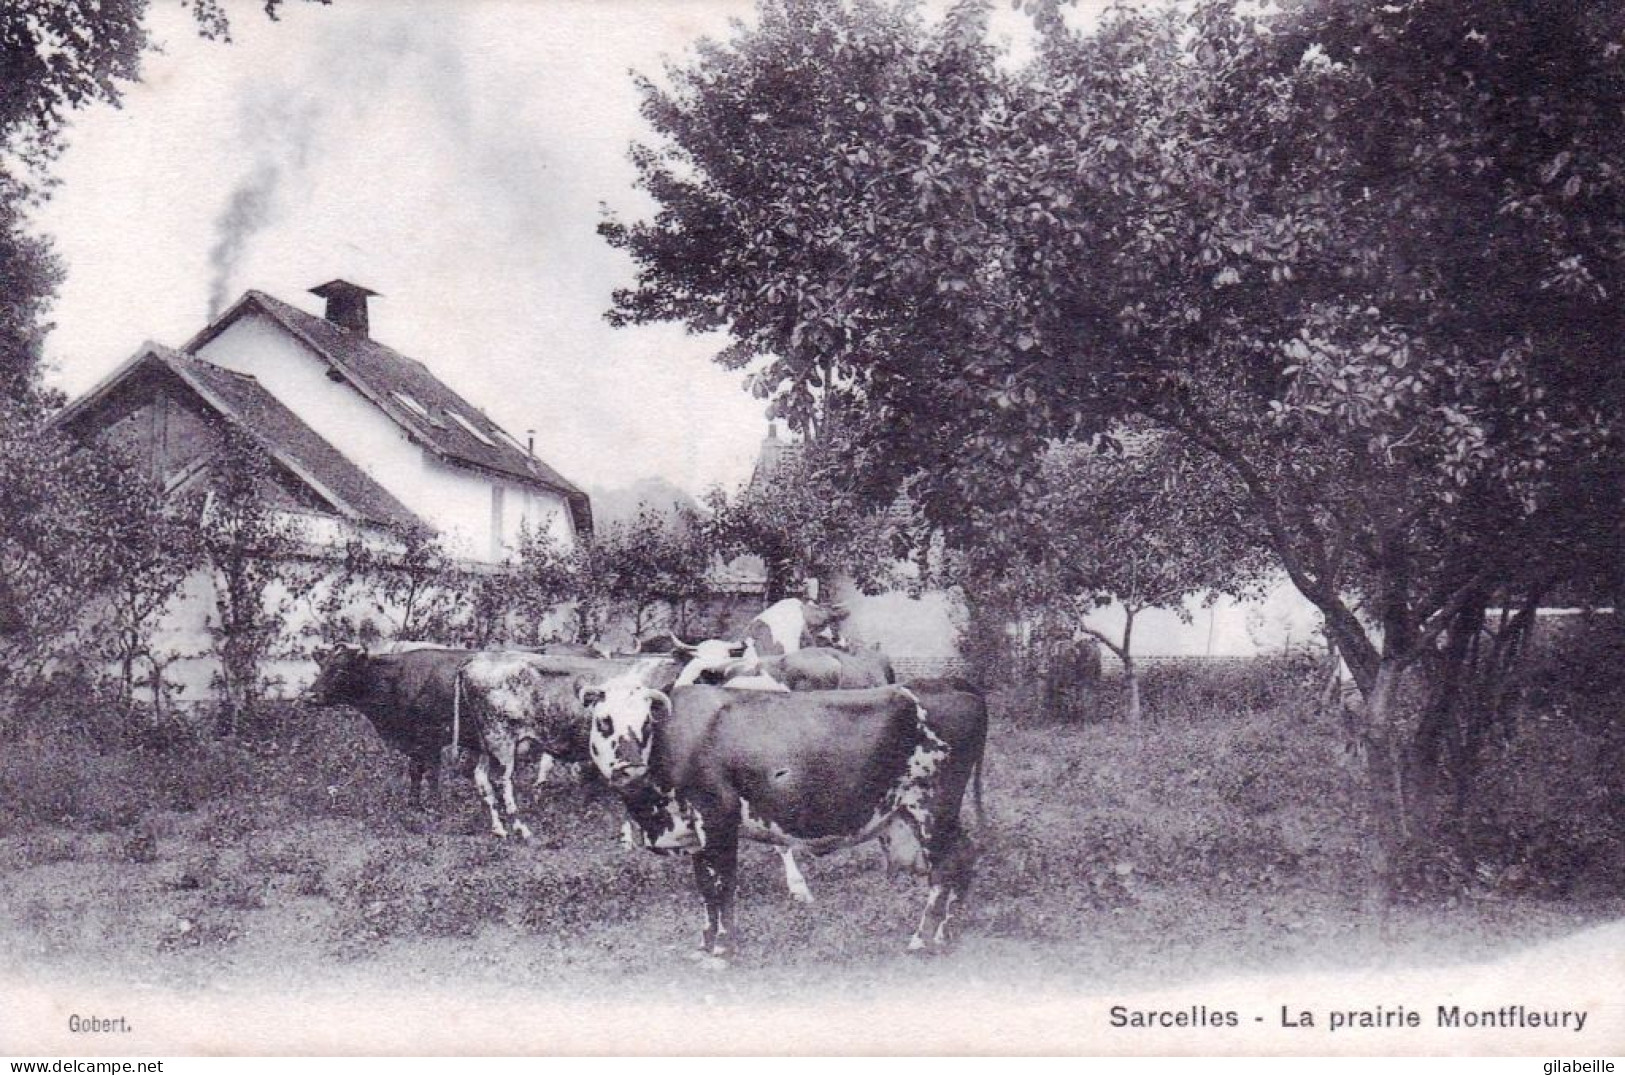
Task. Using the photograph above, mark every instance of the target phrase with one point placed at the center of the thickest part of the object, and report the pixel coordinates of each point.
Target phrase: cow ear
(589, 696)
(659, 704)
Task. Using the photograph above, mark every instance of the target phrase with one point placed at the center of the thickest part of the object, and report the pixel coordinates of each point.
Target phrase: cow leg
(950, 876)
(505, 754)
(414, 783)
(716, 873)
(544, 769)
(793, 880)
(482, 780)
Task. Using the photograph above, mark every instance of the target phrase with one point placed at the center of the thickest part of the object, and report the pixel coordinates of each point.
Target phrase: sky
(451, 155)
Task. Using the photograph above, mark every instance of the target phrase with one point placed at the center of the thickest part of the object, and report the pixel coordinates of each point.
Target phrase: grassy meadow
(1221, 836)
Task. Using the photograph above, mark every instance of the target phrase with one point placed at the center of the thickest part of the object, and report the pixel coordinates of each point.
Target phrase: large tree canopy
(1368, 258)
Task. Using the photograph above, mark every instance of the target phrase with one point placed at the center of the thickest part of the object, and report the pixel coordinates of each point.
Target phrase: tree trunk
(1331, 695)
(1129, 674)
(1385, 747)
(1133, 691)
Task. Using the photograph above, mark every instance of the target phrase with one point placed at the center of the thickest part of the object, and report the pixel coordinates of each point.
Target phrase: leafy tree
(552, 576)
(145, 549)
(56, 57)
(417, 582)
(652, 567)
(84, 529)
(804, 524)
(1364, 258)
(1144, 526)
(46, 566)
(642, 572)
(249, 548)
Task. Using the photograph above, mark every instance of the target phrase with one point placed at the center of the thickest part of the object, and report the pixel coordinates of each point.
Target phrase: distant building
(363, 434)
(360, 438)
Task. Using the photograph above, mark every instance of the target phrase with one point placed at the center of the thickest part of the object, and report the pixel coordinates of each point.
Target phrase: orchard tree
(1138, 523)
(804, 524)
(651, 567)
(645, 570)
(249, 549)
(416, 581)
(1366, 258)
(85, 528)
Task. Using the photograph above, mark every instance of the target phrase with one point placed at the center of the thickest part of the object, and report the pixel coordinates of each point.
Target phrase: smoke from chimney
(281, 131)
(247, 211)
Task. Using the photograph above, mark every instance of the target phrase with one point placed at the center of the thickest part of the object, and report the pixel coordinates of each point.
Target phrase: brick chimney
(346, 304)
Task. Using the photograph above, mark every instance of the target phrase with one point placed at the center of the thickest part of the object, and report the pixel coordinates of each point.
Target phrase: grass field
(1213, 841)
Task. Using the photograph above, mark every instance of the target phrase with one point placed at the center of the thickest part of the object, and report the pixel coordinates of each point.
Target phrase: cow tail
(456, 715)
(976, 789)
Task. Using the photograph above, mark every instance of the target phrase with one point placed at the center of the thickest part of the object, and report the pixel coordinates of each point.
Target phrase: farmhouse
(361, 440)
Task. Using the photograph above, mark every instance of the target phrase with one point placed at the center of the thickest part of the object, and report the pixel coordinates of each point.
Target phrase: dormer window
(411, 404)
(473, 430)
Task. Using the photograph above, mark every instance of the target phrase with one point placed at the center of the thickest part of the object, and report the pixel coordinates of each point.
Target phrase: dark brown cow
(702, 767)
(424, 698)
(408, 697)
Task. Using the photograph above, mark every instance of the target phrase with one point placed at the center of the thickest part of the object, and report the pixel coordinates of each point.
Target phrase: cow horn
(679, 646)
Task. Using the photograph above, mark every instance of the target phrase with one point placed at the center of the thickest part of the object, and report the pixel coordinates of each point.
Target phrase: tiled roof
(242, 400)
(442, 421)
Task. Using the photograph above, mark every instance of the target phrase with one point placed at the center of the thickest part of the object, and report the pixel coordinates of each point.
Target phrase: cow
(566, 649)
(408, 697)
(792, 624)
(514, 699)
(699, 658)
(815, 668)
(783, 627)
(701, 767)
(956, 711)
(810, 668)
(425, 700)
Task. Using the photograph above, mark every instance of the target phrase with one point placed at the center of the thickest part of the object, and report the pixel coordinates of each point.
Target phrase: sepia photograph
(549, 528)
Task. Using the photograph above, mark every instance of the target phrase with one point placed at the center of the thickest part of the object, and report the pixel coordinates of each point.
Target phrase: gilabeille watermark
(1574, 1067)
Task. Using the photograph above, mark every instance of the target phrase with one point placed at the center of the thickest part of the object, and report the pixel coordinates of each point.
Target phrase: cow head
(339, 675)
(621, 730)
(703, 657)
(823, 624)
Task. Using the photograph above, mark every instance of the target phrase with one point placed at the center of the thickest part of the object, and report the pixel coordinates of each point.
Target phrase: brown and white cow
(424, 699)
(783, 627)
(792, 624)
(814, 668)
(703, 767)
(516, 698)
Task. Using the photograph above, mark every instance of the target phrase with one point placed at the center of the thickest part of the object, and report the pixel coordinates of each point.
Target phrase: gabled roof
(448, 425)
(243, 401)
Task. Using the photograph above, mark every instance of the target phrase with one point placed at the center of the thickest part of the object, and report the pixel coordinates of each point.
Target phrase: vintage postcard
(811, 527)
